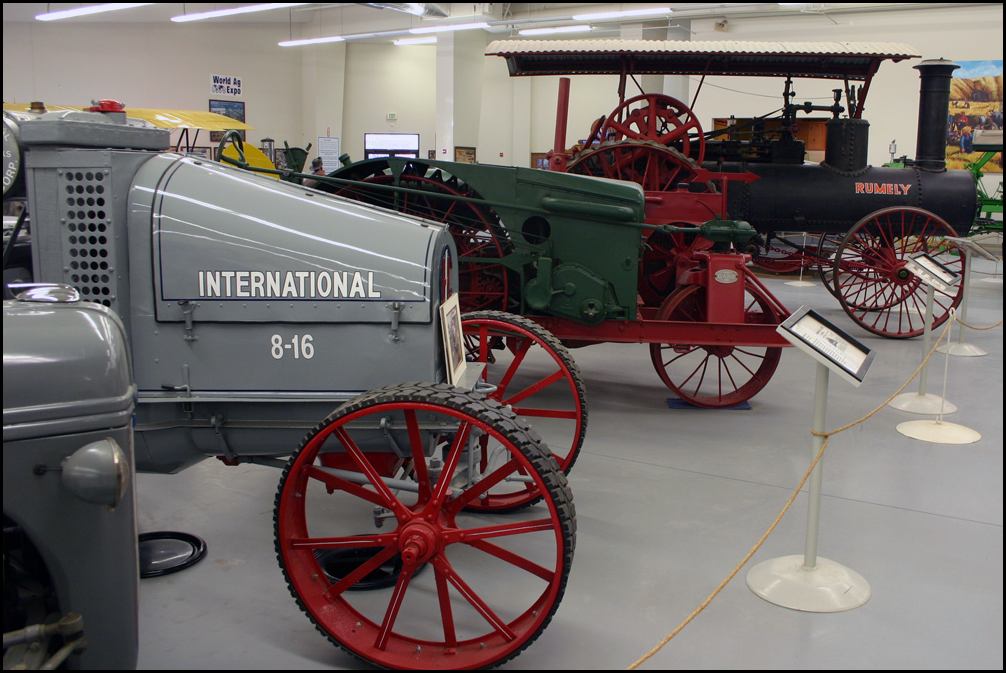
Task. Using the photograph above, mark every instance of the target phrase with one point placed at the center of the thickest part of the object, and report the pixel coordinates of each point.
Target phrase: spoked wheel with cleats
(535, 375)
(490, 585)
(715, 376)
(871, 279)
(653, 166)
(660, 119)
(476, 228)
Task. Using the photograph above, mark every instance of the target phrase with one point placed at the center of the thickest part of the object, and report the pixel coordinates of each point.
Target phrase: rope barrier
(980, 328)
(790, 500)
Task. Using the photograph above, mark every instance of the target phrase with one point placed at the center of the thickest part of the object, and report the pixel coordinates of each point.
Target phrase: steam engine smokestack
(934, 99)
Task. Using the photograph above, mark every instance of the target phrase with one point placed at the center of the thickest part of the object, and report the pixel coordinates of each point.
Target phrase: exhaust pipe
(934, 101)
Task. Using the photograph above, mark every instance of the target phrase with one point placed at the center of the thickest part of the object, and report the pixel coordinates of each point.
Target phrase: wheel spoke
(363, 570)
(451, 464)
(483, 485)
(418, 455)
(514, 559)
(535, 388)
(394, 605)
(473, 599)
(546, 413)
(350, 542)
(518, 358)
(500, 530)
(391, 502)
(444, 598)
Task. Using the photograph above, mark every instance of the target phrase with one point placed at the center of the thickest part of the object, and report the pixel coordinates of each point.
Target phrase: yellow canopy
(159, 117)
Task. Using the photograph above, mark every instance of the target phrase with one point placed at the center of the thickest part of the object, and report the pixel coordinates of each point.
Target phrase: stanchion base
(928, 404)
(963, 350)
(939, 432)
(828, 587)
(800, 283)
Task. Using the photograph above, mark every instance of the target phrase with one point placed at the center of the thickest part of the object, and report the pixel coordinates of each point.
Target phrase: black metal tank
(819, 198)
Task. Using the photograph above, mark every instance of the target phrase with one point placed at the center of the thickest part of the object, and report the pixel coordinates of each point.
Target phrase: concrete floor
(667, 502)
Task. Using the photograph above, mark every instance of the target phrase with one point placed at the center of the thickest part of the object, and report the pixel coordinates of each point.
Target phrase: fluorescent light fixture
(312, 40)
(600, 16)
(448, 28)
(89, 9)
(405, 42)
(247, 9)
(557, 29)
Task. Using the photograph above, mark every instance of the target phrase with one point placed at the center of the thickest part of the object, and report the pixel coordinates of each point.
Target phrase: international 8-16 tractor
(270, 323)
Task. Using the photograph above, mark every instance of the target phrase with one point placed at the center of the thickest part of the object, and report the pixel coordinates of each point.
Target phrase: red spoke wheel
(475, 228)
(490, 586)
(536, 376)
(715, 376)
(655, 167)
(663, 254)
(657, 118)
(827, 248)
(871, 280)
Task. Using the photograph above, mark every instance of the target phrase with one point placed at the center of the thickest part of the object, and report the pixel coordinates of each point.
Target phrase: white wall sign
(225, 85)
(329, 149)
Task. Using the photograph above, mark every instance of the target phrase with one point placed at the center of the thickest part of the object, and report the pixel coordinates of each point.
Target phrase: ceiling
(341, 18)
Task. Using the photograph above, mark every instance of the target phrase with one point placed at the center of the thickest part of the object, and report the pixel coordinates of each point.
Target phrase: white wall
(382, 78)
(163, 65)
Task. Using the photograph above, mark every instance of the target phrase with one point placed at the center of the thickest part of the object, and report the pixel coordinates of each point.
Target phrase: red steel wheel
(655, 167)
(494, 586)
(476, 230)
(658, 118)
(870, 278)
(715, 376)
(537, 377)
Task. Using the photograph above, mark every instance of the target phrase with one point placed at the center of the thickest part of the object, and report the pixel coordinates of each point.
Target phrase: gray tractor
(270, 323)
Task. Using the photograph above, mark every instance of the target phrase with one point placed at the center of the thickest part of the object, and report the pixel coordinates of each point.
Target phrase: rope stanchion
(789, 503)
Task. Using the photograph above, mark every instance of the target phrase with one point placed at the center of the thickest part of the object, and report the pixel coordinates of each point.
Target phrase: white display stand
(808, 582)
(936, 277)
(801, 282)
(959, 347)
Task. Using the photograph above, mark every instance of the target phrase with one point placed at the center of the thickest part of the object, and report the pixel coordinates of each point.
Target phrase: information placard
(930, 271)
(329, 149)
(828, 344)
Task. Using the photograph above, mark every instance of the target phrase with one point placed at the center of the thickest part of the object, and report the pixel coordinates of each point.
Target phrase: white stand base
(828, 587)
(800, 283)
(962, 350)
(939, 432)
(928, 404)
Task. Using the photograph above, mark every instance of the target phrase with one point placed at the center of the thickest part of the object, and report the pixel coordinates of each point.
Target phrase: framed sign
(235, 109)
(930, 271)
(464, 155)
(809, 331)
(376, 145)
(454, 351)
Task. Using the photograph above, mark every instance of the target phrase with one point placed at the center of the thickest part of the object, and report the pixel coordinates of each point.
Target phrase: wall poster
(976, 102)
(235, 109)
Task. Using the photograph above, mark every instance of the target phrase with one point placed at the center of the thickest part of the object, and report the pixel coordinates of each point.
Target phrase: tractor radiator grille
(87, 220)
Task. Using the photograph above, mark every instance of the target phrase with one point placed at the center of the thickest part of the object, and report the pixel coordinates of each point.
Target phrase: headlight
(97, 472)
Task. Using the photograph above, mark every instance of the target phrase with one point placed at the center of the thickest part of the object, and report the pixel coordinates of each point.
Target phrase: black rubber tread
(514, 428)
(560, 350)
